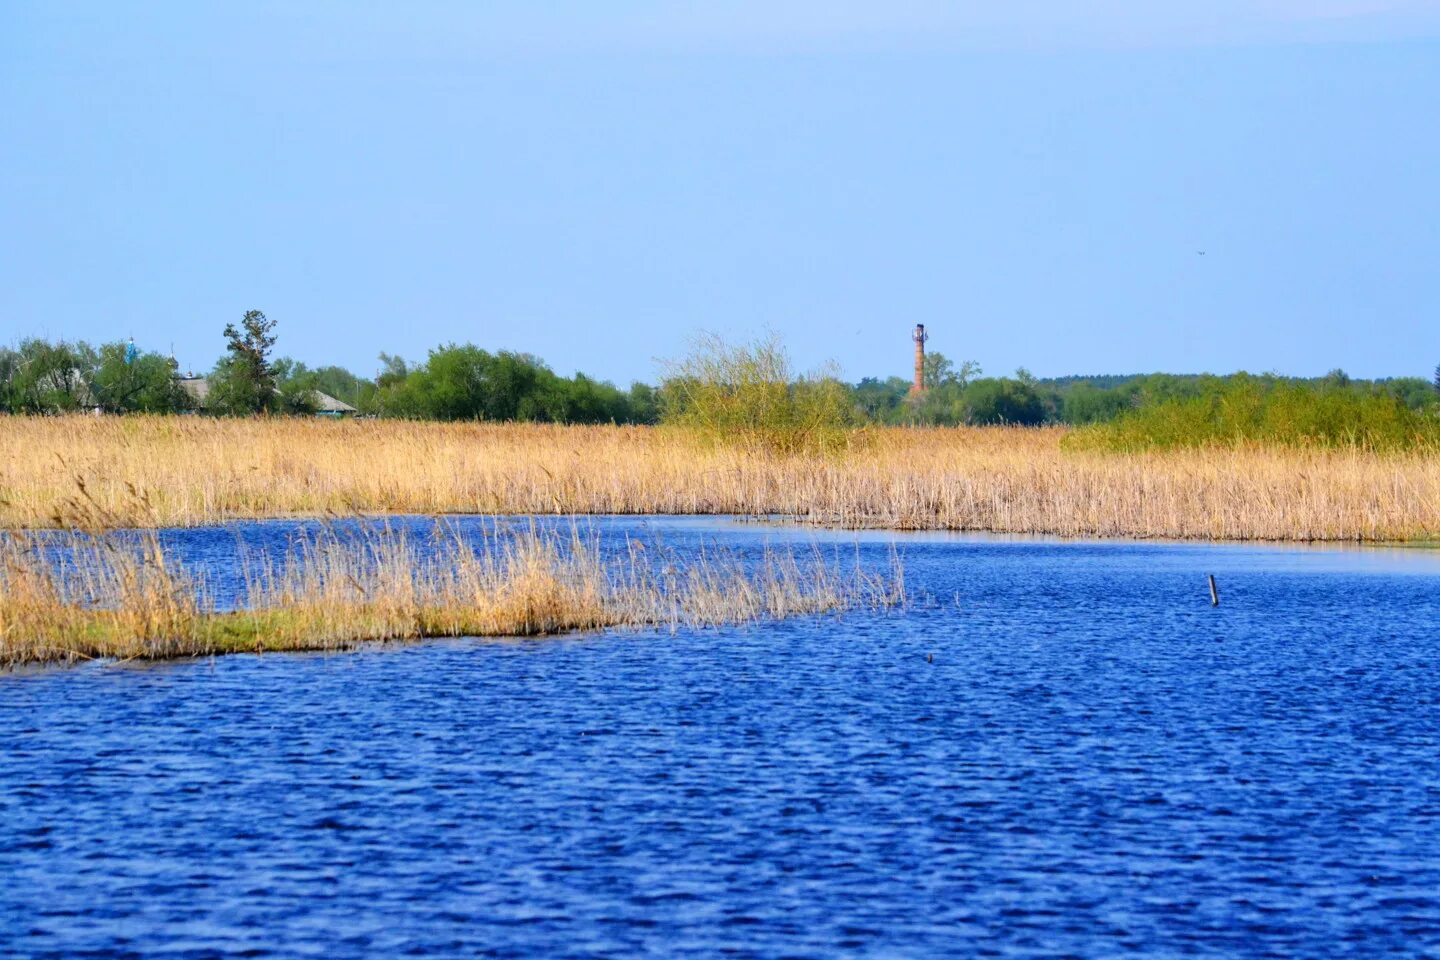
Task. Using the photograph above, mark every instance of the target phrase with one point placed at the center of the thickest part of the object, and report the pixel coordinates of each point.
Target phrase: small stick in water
(1214, 593)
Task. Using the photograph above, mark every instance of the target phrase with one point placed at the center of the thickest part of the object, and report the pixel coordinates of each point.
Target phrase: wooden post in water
(1214, 593)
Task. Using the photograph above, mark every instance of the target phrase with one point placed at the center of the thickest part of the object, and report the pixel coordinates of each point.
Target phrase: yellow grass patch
(195, 470)
(80, 595)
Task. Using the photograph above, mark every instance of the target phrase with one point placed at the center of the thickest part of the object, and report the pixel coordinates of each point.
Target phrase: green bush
(1084, 403)
(747, 394)
(1266, 410)
(464, 382)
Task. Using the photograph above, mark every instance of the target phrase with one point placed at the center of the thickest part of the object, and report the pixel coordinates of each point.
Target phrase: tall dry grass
(84, 594)
(1002, 479)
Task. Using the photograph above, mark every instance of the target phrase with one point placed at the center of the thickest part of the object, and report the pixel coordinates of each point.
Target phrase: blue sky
(593, 182)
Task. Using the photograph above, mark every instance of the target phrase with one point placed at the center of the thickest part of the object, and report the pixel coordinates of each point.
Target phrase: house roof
(197, 387)
(325, 403)
(199, 390)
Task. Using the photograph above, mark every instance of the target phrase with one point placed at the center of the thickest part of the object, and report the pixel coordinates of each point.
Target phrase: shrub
(747, 394)
(464, 382)
(1265, 410)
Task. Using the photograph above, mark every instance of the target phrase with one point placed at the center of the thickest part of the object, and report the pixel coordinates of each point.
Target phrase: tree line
(454, 382)
(466, 382)
(959, 395)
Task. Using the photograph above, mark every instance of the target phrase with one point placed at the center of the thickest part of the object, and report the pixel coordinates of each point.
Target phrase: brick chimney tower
(921, 336)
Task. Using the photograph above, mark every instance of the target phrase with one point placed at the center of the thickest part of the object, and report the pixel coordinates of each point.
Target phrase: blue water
(1096, 763)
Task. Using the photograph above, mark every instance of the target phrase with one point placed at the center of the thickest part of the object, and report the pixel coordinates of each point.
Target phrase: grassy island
(84, 594)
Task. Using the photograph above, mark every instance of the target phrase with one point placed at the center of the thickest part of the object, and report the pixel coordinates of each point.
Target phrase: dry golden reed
(75, 594)
(199, 470)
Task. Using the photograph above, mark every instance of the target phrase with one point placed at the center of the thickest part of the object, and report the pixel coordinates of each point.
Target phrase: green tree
(1083, 403)
(642, 404)
(343, 385)
(296, 387)
(881, 401)
(1415, 392)
(938, 370)
(464, 382)
(942, 405)
(389, 396)
(49, 377)
(126, 382)
(460, 382)
(996, 401)
(966, 372)
(393, 371)
(9, 372)
(243, 382)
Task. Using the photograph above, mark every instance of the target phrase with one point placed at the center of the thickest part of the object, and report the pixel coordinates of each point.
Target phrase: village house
(325, 405)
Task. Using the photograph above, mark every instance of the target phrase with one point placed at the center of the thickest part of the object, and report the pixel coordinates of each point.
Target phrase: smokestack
(920, 337)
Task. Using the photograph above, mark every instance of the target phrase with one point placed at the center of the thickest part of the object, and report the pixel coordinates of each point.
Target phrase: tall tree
(967, 371)
(244, 381)
(938, 370)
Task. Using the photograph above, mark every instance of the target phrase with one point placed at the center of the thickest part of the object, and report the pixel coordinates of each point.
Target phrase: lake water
(1095, 763)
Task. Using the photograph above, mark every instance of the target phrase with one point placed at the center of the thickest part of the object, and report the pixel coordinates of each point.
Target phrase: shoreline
(779, 523)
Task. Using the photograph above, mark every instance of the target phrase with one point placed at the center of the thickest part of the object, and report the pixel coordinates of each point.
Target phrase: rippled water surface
(1095, 763)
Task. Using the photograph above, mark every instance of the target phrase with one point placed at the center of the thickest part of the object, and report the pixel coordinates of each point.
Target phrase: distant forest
(466, 382)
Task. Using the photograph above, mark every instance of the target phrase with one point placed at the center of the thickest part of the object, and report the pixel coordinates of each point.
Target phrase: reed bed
(1017, 480)
(77, 595)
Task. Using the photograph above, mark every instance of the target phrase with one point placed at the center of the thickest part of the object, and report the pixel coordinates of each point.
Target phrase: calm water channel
(1095, 763)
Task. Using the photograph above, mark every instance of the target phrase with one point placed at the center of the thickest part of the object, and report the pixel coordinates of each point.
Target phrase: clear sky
(593, 181)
